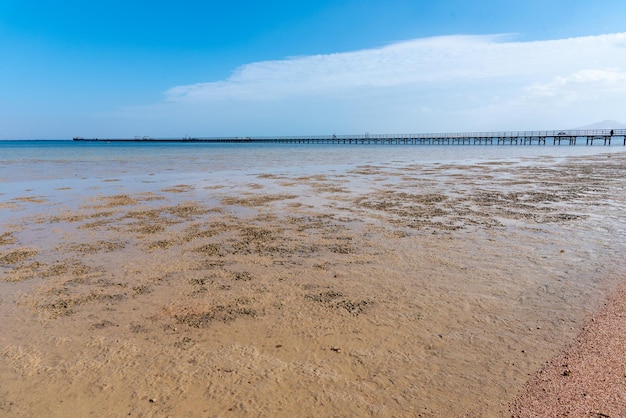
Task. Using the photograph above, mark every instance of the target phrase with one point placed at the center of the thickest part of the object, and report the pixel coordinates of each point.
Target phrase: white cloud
(425, 84)
(584, 81)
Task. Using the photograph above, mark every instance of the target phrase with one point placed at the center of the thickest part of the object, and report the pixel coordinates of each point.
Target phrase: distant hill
(605, 124)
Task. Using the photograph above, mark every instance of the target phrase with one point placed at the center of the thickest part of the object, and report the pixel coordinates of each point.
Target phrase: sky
(119, 69)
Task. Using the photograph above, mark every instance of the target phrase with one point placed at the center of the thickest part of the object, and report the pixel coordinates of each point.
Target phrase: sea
(41, 166)
(66, 172)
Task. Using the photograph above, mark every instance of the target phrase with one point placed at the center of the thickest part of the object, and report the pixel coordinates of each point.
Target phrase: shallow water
(44, 168)
(30, 160)
(291, 280)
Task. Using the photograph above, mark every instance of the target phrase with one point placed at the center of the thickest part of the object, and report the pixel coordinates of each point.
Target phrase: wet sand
(385, 290)
(588, 379)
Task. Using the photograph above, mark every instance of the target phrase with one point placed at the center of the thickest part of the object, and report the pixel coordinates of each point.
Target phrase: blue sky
(249, 68)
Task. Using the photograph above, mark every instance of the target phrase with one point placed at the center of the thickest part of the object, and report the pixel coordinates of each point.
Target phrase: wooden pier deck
(558, 137)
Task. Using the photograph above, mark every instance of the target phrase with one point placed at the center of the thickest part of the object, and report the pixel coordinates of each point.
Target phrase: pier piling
(511, 138)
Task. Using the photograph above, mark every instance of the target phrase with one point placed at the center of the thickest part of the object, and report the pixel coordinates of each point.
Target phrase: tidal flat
(380, 290)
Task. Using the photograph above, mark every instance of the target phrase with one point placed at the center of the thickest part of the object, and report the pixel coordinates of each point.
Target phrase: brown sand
(588, 379)
(411, 291)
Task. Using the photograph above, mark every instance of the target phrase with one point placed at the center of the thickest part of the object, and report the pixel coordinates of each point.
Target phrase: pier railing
(556, 137)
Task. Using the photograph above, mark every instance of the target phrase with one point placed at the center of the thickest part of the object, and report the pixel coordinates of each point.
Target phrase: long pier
(557, 137)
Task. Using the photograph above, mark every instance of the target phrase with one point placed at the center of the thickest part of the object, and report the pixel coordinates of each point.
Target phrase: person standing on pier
(612, 131)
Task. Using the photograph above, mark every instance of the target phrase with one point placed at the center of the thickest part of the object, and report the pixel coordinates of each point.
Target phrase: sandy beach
(386, 290)
(588, 378)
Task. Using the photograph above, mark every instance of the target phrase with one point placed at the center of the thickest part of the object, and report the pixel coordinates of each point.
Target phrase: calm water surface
(39, 160)
(41, 168)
